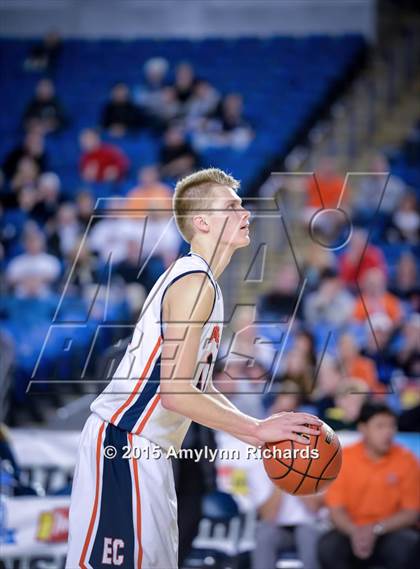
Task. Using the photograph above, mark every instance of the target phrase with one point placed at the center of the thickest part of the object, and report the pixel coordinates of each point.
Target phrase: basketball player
(123, 506)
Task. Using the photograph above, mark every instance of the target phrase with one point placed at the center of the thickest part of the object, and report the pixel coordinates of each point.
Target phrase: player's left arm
(211, 390)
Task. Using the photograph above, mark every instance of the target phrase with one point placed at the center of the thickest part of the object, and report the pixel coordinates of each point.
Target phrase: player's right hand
(288, 426)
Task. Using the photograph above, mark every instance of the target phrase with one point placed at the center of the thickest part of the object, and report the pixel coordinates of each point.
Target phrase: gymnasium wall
(186, 18)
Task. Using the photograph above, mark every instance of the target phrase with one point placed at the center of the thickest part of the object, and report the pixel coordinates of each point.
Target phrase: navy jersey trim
(116, 510)
(174, 281)
(133, 413)
(192, 254)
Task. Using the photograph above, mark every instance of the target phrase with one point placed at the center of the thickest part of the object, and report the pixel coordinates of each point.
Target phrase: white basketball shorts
(123, 510)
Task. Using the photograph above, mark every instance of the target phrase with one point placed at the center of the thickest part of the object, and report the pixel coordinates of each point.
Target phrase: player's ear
(200, 223)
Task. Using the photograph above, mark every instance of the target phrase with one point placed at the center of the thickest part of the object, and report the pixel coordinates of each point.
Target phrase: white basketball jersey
(131, 401)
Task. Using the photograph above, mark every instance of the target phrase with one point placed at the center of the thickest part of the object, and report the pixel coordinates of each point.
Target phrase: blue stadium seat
(302, 73)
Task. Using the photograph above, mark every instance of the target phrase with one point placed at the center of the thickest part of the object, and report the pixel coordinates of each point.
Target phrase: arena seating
(406, 161)
(303, 75)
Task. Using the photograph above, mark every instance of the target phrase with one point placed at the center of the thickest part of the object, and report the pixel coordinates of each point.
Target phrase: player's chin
(243, 242)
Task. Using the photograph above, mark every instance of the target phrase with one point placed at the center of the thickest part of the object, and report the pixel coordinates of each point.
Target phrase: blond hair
(193, 192)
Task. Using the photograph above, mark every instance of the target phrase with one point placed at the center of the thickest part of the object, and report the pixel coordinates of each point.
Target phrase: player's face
(229, 222)
(379, 432)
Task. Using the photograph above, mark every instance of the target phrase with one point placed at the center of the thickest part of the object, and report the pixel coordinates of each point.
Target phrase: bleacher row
(302, 75)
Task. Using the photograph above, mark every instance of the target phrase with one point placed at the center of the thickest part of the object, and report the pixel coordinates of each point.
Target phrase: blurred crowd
(67, 257)
(56, 239)
(360, 304)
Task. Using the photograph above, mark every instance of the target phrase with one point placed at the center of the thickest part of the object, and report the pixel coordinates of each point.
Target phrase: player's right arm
(187, 306)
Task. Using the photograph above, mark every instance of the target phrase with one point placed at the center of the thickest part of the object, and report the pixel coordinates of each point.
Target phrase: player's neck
(217, 258)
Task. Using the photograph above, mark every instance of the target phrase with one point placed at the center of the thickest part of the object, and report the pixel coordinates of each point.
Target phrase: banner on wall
(33, 532)
(47, 458)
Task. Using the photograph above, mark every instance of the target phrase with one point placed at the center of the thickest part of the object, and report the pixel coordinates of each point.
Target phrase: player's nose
(246, 215)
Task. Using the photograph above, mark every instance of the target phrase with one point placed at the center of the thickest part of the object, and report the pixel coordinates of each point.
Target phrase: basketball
(304, 469)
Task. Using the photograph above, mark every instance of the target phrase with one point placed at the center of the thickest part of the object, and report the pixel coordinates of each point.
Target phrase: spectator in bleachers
(286, 393)
(377, 187)
(101, 162)
(177, 157)
(237, 382)
(149, 94)
(405, 284)
(408, 356)
(45, 110)
(129, 268)
(374, 503)
(26, 174)
(299, 364)
(48, 198)
(359, 258)
(12, 222)
(65, 231)
(348, 400)
(227, 126)
(203, 102)
(278, 304)
(120, 115)
(331, 305)
(405, 221)
(184, 84)
(285, 521)
(305, 347)
(234, 126)
(32, 147)
(44, 54)
(328, 379)
(33, 272)
(156, 99)
(323, 190)
(85, 208)
(169, 111)
(108, 238)
(249, 343)
(317, 259)
(161, 238)
(357, 366)
(411, 148)
(151, 193)
(157, 245)
(84, 269)
(26, 202)
(375, 298)
(258, 375)
(380, 346)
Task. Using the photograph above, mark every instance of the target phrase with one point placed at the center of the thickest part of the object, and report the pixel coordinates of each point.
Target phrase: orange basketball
(304, 469)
